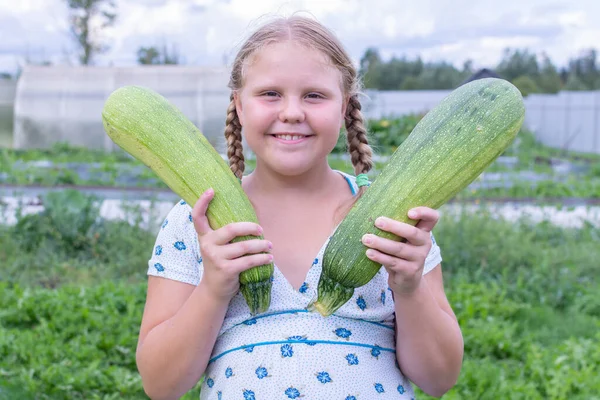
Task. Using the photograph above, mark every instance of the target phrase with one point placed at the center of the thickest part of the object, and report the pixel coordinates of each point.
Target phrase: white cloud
(207, 30)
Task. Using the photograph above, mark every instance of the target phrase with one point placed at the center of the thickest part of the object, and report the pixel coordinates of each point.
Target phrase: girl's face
(291, 107)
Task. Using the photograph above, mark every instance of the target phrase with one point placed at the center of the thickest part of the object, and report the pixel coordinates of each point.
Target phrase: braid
(233, 136)
(358, 146)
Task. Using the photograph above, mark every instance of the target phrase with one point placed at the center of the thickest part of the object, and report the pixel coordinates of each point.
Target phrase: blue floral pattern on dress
(261, 372)
(316, 261)
(249, 395)
(158, 250)
(375, 352)
(164, 225)
(343, 333)
(383, 297)
(323, 377)
(287, 350)
(179, 245)
(361, 303)
(292, 393)
(249, 349)
(228, 372)
(303, 339)
(219, 395)
(250, 321)
(210, 382)
(400, 389)
(297, 337)
(379, 388)
(352, 359)
(159, 267)
(182, 203)
(190, 218)
(350, 398)
(303, 288)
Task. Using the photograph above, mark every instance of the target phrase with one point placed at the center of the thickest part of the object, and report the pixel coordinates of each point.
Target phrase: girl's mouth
(291, 139)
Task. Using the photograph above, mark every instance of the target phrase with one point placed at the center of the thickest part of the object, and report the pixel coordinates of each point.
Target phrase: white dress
(288, 352)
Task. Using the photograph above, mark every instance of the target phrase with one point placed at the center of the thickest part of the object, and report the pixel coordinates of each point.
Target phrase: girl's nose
(291, 111)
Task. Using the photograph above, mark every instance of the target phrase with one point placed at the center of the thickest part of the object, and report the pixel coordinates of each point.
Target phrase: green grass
(72, 294)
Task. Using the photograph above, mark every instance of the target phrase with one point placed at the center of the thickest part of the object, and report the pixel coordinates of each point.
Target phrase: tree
(549, 80)
(148, 56)
(586, 69)
(526, 85)
(574, 83)
(467, 69)
(370, 68)
(516, 63)
(411, 83)
(153, 56)
(88, 18)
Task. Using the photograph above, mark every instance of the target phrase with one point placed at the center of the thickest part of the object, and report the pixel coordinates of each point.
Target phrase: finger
(427, 217)
(392, 264)
(199, 213)
(391, 247)
(246, 262)
(230, 231)
(246, 247)
(411, 233)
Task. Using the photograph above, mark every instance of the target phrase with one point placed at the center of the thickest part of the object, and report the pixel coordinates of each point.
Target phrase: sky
(208, 32)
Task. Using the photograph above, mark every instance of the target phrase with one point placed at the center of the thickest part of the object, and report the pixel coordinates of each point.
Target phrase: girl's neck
(314, 183)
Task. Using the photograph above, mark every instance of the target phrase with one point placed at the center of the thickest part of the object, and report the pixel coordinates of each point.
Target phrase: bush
(525, 295)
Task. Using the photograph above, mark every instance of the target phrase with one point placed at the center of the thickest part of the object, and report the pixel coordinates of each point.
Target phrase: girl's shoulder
(351, 180)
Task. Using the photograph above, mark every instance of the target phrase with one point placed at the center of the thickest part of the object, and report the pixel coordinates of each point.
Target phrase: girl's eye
(270, 93)
(314, 96)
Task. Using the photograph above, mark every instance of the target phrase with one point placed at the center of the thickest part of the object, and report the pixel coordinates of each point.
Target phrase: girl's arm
(429, 343)
(181, 322)
(178, 332)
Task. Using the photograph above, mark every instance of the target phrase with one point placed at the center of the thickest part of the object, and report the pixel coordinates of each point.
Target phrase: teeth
(289, 137)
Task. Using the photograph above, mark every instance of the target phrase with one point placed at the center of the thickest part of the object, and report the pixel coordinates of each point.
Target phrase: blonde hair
(313, 35)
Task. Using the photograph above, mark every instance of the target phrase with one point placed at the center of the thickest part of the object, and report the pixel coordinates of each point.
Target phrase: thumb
(199, 213)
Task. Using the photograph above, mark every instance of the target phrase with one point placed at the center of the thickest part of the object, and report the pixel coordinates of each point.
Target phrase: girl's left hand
(404, 261)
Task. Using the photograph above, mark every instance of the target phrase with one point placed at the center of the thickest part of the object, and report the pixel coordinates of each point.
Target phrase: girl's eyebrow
(308, 88)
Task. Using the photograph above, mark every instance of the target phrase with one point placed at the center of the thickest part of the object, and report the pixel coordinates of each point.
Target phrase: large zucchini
(147, 126)
(453, 143)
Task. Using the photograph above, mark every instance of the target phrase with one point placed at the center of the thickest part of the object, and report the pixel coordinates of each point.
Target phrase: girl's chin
(291, 166)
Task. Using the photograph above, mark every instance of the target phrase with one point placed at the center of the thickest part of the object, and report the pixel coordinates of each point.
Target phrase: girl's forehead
(282, 52)
(289, 57)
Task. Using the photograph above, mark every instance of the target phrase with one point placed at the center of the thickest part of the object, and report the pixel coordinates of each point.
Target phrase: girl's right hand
(224, 261)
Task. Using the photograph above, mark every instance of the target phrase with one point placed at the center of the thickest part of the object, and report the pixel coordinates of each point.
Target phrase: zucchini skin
(154, 131)
(450, 147)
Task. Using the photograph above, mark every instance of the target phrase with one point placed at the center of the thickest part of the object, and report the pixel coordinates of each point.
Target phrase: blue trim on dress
(351, 185)
(303, 341)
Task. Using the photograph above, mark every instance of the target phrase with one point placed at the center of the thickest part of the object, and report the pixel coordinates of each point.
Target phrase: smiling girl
(293, 89)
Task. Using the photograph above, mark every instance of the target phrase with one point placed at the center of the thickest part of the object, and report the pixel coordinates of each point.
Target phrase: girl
(293, 89)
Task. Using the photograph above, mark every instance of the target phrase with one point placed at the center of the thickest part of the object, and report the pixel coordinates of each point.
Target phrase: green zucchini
(147, 126)
(453, 143)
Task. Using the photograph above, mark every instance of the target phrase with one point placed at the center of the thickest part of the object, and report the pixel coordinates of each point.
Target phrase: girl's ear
(238, 107)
